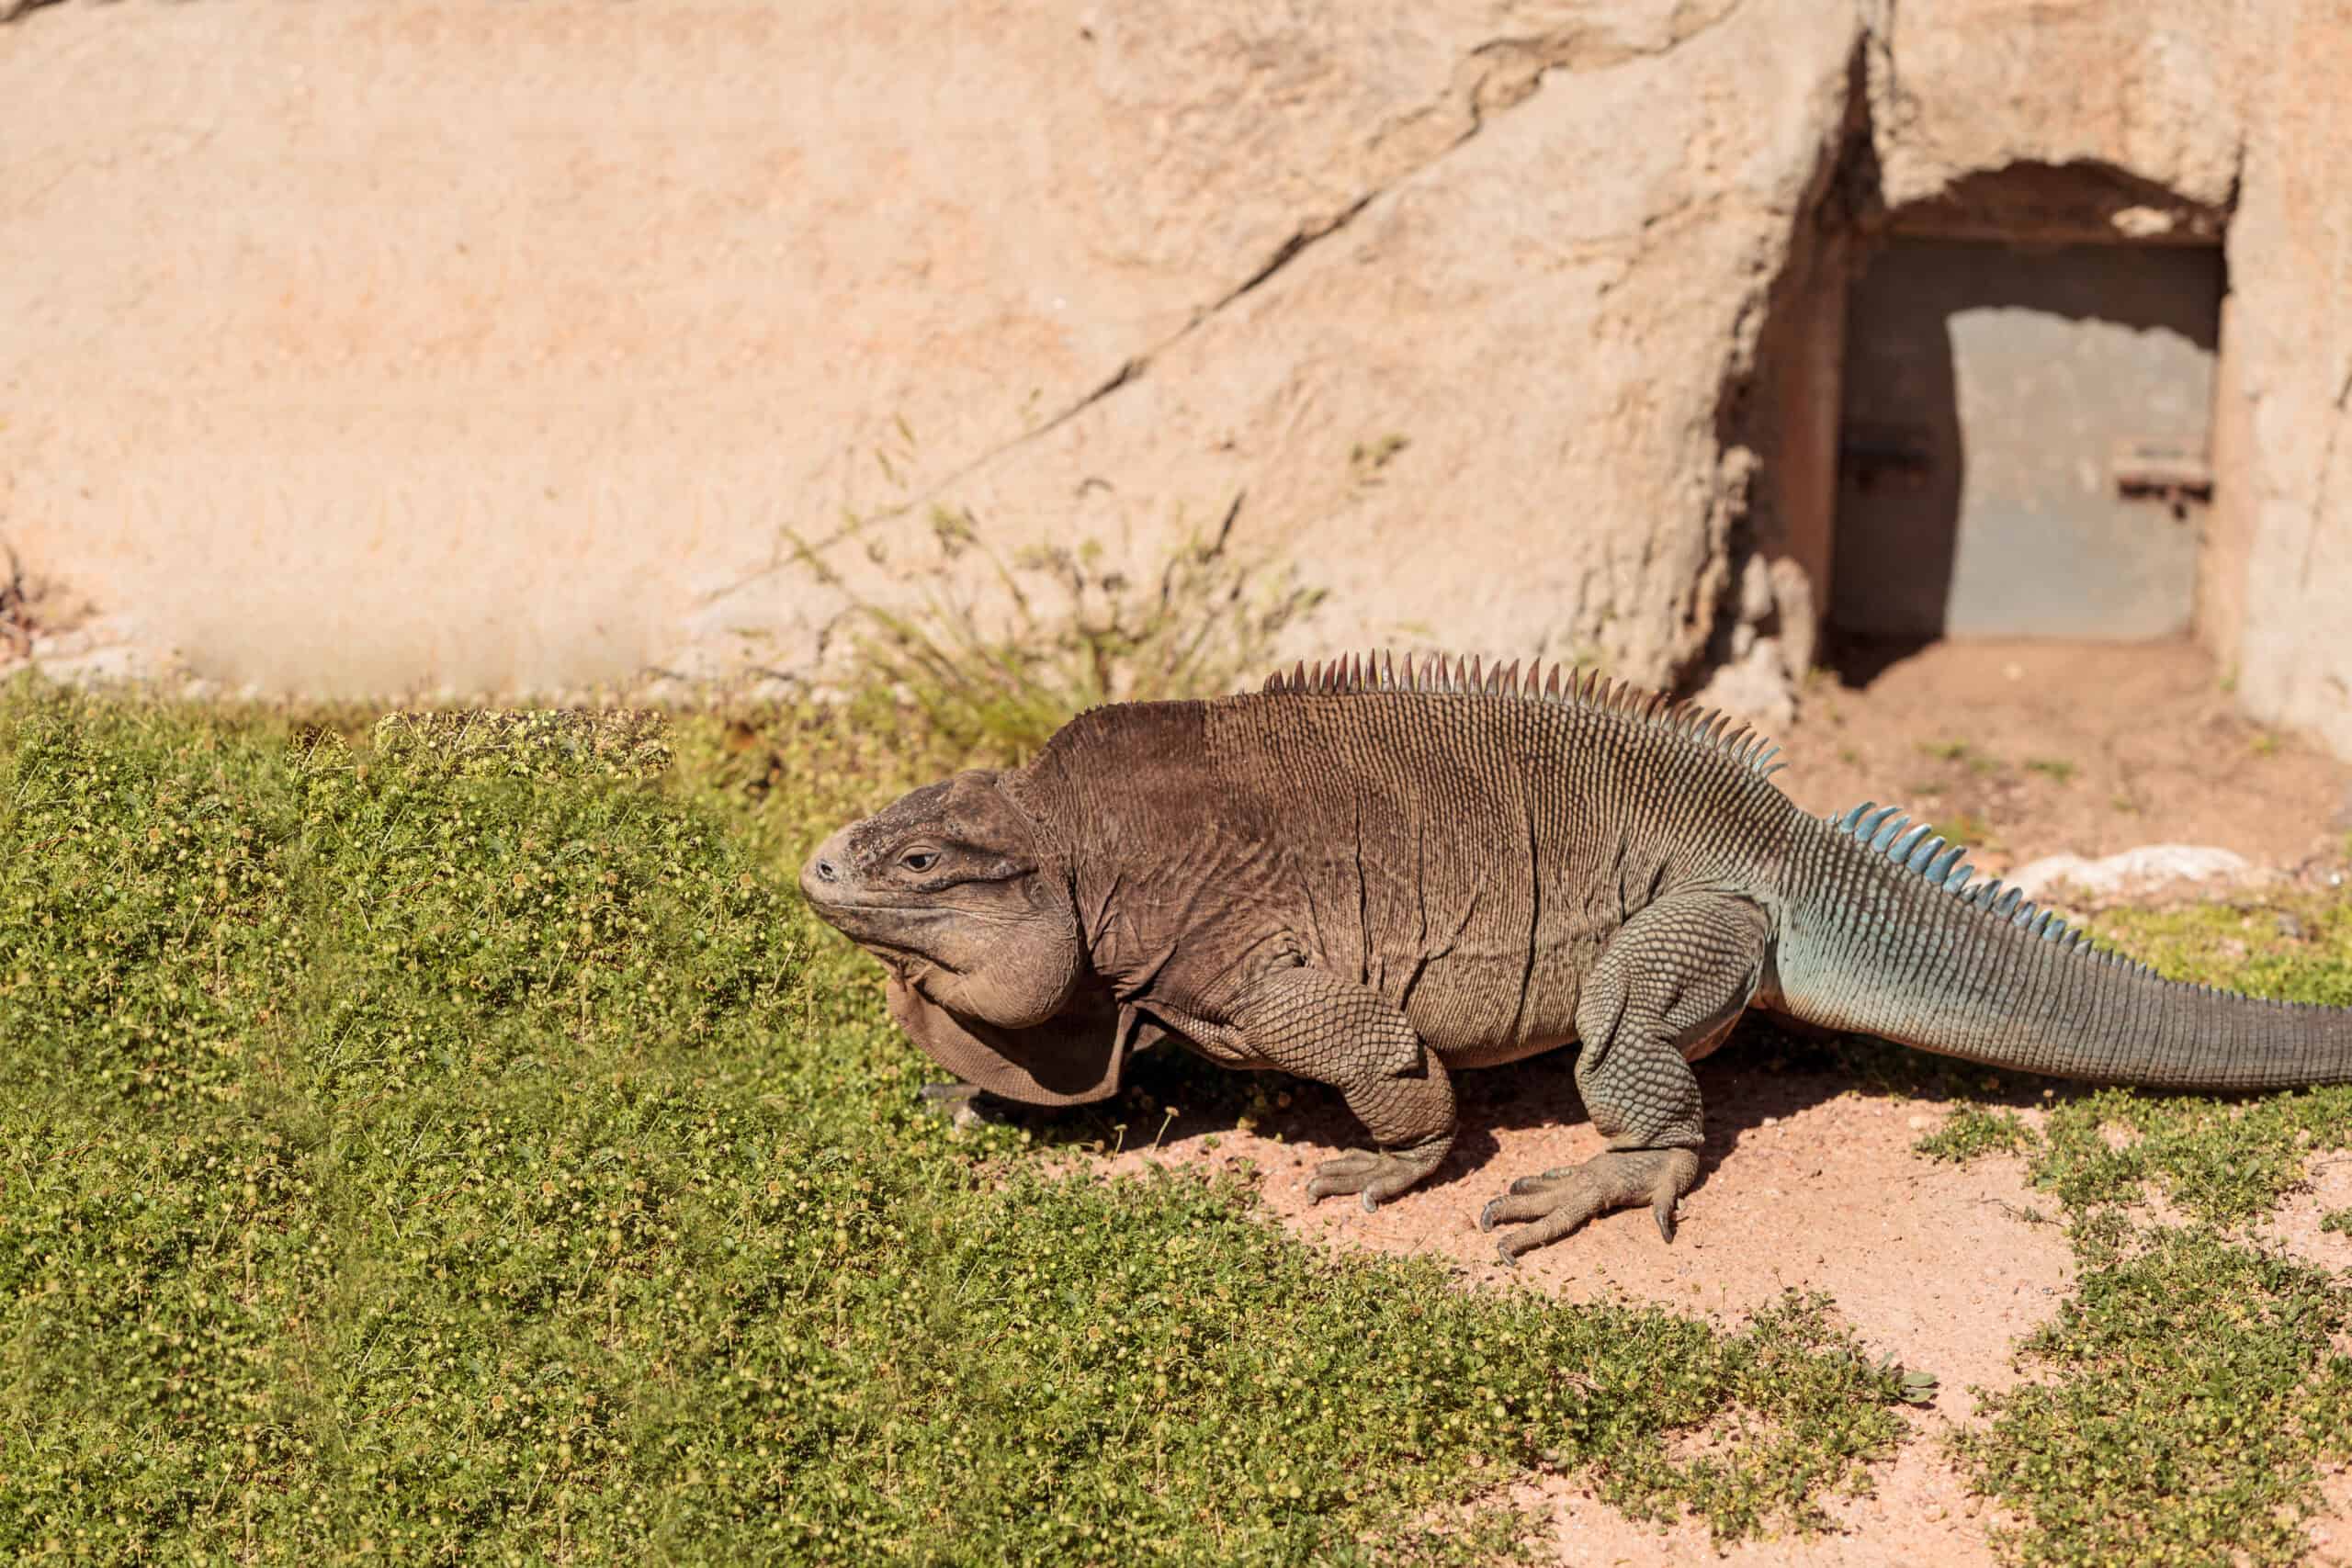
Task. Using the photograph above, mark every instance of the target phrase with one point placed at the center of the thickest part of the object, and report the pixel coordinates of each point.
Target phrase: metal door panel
(2016, 423)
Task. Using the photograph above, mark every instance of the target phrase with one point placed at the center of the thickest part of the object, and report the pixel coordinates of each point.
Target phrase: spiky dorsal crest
(1883, 830)
(1445, 675)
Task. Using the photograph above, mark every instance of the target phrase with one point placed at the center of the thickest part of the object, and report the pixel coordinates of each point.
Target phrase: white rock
(2149, 865)
(1756, 688)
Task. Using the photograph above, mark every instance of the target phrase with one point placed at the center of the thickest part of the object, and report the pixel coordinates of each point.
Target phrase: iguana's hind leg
(1667, 988)
(1320, 1026)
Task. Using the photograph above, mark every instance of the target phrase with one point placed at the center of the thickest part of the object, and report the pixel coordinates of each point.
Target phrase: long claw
(1376, 1177)
(1557, 1202)
(1343, 1175)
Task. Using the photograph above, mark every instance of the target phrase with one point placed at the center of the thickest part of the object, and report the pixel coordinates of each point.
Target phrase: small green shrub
(1972, 1132)
(992, 674)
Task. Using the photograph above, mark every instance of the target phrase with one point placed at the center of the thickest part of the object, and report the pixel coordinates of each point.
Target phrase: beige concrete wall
(364, 347)
(441, 343)
(2157, 88)
(2235, 514)
(2290, 280)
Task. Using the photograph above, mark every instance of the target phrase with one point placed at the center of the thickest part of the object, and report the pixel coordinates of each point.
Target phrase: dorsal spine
(1884, 830)
(1445, 675)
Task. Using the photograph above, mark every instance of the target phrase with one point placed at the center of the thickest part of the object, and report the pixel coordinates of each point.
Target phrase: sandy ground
(1806, 1182)
(2040, 748)
(1809, 1180)
(1918, 1511)
(2295, 1225)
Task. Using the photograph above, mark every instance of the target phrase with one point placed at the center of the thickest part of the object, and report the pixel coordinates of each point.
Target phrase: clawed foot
(1559, 1201)
(1377, 1176)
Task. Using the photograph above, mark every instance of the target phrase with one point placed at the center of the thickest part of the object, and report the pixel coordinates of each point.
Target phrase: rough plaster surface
(450, 345)
(2290, 269)
(2158, 89)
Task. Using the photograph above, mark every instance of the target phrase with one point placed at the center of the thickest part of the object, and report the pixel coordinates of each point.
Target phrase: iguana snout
(967, 903)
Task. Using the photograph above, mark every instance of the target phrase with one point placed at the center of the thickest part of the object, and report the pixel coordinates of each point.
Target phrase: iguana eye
(918, 859)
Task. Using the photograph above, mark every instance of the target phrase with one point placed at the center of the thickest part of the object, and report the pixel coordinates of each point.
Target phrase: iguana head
(966, 902)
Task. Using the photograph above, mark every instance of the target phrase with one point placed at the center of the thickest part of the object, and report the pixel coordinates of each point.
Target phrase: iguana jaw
(888, 929)
(1075, 1058)
(956, 894)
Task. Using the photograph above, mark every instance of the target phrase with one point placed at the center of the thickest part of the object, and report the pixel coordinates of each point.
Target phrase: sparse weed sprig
(996, 653)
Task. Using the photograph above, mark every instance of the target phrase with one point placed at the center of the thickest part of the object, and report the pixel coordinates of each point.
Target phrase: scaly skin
(1373, 881)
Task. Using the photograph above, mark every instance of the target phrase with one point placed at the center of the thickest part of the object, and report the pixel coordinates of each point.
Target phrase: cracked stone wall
(2281, 619)
(452, 345)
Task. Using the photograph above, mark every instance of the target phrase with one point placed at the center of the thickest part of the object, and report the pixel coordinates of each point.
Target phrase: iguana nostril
(824, 871)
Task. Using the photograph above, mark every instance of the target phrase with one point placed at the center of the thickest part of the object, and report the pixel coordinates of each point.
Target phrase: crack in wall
(2320, 485)
(1486, 91)
(1130, 370)
(1286, 253)
(1575, 48)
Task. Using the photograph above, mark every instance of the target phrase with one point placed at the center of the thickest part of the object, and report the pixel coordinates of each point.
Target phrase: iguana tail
(1882, 933)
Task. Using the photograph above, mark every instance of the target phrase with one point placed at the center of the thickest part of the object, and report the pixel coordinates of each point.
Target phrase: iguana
(1372, 874)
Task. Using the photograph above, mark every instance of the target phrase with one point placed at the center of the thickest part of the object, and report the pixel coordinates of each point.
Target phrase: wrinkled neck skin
(1154, 848)
(985, 992)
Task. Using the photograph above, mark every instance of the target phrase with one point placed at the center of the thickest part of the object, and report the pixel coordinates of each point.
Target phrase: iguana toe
(1377, 1177)
(1558, 1202)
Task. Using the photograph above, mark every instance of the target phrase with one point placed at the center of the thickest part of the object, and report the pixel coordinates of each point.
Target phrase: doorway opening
(2014, 388)
(2023, 441)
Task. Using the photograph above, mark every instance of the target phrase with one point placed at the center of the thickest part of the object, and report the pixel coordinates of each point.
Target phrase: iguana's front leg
(1319, 1026)
(1667, 988)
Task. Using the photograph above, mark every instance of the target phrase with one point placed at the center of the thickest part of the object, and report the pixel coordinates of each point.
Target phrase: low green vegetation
(1974, 1131)
(432, 1142)
(2184, 1397)
(445, 1144)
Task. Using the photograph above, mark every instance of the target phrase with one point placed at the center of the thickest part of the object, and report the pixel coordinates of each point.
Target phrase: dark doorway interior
(2022, 442)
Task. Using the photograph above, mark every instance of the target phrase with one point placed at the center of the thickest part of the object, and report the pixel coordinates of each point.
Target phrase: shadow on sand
(1767, 1072)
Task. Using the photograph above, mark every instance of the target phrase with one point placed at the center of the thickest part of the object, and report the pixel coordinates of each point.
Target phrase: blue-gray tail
(1885, 932)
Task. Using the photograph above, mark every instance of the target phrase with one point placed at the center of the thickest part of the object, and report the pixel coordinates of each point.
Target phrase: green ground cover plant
(447, 1144)
(2182, 1400)
(437, 1143)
